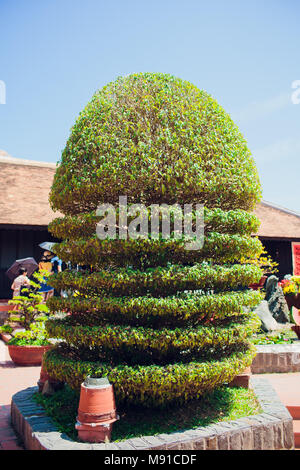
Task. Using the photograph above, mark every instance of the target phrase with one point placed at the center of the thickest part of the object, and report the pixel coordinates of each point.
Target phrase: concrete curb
(270, 430)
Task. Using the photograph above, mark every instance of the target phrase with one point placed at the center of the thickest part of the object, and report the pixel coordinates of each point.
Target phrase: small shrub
(30, 305)
(35, 336)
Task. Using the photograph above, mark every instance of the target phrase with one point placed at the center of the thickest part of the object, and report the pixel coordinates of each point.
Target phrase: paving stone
(278, 436)
(10, 445)
(138, 443)
(153, 440)
(223, 441)
(247, 440)
(125, 445)
(199, 444)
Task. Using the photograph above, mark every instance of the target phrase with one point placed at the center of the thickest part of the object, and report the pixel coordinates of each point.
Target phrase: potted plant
(27, 347)
(291, 289)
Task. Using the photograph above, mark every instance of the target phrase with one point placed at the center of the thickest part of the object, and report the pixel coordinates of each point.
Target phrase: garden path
(12, 380)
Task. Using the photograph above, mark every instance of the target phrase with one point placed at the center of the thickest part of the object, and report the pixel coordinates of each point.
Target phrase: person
(56, 264)
(45, 262)
(46, 265)
(19, 282)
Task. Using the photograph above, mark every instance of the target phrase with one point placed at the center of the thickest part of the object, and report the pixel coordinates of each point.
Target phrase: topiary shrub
(163, 323)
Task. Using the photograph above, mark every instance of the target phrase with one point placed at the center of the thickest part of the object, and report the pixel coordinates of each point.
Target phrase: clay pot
(296, 329)
(96, 411)
(260, 285)
(27, 355)
(96, 434)
(293, 301)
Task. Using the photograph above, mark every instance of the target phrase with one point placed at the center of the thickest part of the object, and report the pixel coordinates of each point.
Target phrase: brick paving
(287, 387)
(12, 380)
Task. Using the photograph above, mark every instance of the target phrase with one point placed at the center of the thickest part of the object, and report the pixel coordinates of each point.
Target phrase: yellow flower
(289, 289)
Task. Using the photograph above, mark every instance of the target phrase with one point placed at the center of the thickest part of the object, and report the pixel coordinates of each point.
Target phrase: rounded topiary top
(154, 138)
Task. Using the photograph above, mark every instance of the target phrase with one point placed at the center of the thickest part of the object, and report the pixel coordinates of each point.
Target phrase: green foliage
(154, 138)
(31, 304)
(164, 323)
(6, 329)
(157, 281)
(151, 385)
(223, 404)
(141, 254)
(277, 337)
(150, 344)
(35, 336)
(215, 220)
(186, 308)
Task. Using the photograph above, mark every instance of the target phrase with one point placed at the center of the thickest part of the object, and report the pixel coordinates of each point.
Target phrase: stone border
(272, 358)
(270, 430)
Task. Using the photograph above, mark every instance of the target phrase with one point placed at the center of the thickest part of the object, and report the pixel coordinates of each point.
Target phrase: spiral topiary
(165, 324)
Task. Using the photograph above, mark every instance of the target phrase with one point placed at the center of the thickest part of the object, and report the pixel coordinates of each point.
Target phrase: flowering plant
(264, 261)
(291, 286)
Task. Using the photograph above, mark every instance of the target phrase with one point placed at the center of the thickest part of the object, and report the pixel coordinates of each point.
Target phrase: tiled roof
(277, 221)
(25, 187)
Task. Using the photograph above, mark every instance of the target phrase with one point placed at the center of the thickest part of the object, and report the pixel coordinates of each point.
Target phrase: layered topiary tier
(162, 322)
(159, 281)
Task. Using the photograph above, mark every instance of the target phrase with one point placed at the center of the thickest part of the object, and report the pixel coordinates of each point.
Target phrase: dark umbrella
(47, 246)
(28, 263)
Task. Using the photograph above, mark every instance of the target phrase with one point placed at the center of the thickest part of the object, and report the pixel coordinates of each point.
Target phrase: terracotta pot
(98, 433)
(27, 355)
(296, 329)
(293, 301)
(96, 411)
(259, 285)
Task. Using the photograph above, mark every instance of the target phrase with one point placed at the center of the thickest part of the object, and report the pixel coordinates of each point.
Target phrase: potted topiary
(27, 347)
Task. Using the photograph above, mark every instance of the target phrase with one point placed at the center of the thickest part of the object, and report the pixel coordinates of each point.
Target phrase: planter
(296, 329)
(293, 301)
(96, 411)
(27, 355)
(259, 285)
(272, 429)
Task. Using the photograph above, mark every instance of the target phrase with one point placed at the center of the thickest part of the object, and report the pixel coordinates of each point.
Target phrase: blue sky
(54, 54)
